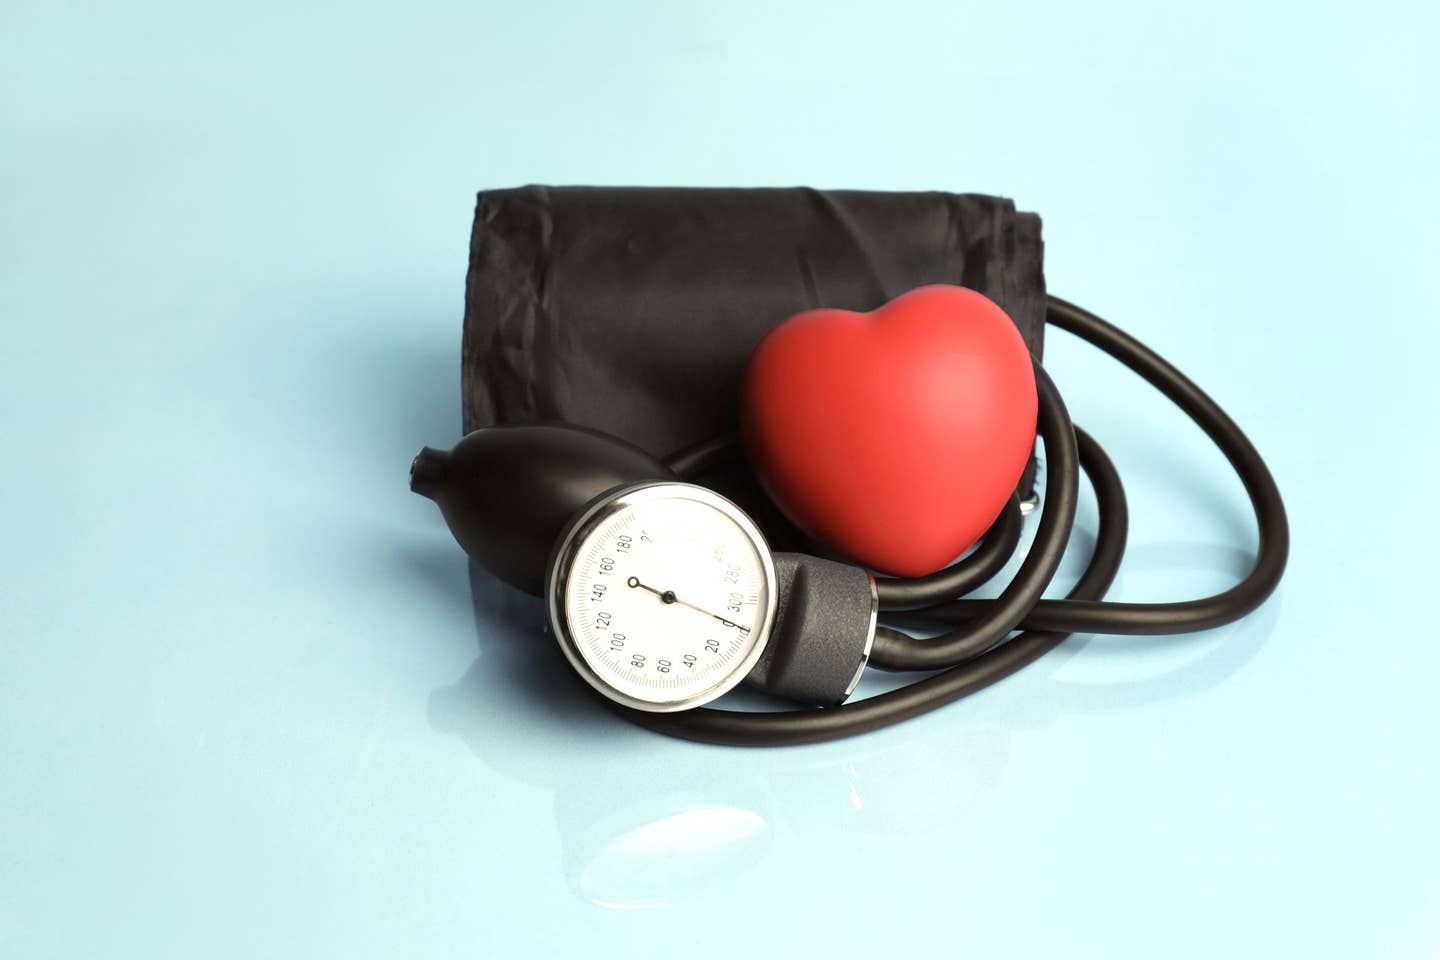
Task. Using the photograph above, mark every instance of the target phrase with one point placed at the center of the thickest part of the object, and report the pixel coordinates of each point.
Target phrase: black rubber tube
(975, 654)
(791, 727)
(1184, 616)
(958, 579)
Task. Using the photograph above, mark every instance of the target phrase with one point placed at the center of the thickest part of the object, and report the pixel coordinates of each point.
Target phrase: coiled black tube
(975, 653)
(1188, 615)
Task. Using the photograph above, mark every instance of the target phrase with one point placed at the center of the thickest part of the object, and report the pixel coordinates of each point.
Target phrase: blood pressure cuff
(632, 310)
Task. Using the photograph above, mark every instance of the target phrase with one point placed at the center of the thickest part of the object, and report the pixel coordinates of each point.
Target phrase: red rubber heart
(895, 436)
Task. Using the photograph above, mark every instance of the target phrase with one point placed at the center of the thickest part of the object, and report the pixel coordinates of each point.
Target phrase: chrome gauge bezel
(597, 512)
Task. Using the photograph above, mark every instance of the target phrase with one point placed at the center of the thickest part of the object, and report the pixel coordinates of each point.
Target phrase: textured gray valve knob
(824, 627)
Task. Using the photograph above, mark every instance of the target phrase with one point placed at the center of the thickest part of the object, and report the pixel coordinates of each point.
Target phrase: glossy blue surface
(249, 709)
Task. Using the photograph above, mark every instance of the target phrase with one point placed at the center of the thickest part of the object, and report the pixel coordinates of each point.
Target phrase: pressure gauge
(662, 595)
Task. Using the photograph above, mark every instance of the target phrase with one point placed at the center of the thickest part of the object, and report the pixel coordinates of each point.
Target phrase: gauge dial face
(663, 595)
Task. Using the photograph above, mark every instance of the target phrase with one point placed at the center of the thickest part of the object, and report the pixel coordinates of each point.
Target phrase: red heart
(895, 436)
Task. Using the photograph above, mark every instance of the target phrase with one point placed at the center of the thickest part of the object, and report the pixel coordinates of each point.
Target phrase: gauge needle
(668, 596)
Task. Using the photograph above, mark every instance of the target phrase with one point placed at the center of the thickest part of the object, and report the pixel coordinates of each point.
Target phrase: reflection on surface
(629, 862)
(646, 822)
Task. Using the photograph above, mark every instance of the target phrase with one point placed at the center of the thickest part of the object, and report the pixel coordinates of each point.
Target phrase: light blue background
(247, 708)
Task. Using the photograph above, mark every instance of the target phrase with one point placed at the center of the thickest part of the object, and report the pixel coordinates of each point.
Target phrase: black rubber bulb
(507, 492)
